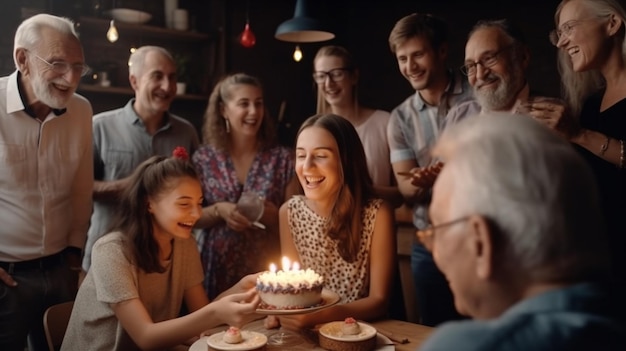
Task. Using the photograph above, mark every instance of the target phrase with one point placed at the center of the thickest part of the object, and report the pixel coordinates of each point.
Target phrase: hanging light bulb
(297, 54)
(112, 34)
(247, 38)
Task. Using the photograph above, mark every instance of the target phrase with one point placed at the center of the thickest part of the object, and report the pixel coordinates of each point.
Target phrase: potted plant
(182, 69)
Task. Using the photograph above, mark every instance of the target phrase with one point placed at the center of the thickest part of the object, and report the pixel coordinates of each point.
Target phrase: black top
(611, 180)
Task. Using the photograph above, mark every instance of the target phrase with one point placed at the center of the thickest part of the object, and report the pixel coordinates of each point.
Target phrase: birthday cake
(291, 289)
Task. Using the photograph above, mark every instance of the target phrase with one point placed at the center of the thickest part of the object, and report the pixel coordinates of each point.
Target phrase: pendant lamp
(303, 28)
(247, 39)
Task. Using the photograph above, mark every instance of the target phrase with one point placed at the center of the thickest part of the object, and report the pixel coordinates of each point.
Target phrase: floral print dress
(227, 256)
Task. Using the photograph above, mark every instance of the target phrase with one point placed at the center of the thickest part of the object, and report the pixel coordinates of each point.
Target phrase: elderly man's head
(50, 58)
(496, 59)
(514, 207)
(152, 74)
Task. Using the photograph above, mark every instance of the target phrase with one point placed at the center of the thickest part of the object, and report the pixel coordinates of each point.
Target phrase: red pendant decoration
(247, 38)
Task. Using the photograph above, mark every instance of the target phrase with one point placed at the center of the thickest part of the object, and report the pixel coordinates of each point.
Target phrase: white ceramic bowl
(130, 16)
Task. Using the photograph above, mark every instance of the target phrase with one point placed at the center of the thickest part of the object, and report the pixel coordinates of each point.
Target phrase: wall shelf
(100, 25)
(97, 89)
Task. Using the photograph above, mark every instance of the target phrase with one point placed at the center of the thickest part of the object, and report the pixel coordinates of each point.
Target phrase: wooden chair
(55, 321)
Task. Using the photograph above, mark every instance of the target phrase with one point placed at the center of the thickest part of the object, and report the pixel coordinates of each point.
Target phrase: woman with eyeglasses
(590, 36)
(336, 76)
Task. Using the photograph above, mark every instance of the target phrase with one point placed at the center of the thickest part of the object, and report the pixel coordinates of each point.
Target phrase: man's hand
(6, 278)
(424, 177)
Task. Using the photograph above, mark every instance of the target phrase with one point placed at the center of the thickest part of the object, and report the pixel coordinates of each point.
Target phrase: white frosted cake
(288, 290)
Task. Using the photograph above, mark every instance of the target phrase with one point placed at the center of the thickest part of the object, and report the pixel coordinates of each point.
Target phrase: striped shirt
(415, 126)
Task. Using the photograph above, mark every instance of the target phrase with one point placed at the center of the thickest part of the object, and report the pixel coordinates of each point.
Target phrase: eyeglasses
(335, 75)
(427, 235)
(469, 69)
(62, 67)
(566, 29)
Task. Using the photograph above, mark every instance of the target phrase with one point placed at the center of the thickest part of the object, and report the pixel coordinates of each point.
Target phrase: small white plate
(251, 340)
(333, 331)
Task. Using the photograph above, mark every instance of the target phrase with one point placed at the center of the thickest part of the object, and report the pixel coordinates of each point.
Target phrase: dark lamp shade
(302, 28)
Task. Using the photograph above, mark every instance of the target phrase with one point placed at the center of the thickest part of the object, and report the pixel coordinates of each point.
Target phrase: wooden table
(398, 330)
(393, 329)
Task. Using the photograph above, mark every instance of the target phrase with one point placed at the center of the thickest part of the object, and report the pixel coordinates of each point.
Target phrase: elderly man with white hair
(517, 232)
(46, 177)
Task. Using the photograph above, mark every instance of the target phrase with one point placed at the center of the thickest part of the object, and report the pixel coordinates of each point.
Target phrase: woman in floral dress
(239, 154)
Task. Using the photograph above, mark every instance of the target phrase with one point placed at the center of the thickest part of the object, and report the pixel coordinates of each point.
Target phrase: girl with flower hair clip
(149, 265)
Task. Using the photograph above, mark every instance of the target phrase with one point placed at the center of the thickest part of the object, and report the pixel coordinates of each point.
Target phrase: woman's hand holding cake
(237, 309)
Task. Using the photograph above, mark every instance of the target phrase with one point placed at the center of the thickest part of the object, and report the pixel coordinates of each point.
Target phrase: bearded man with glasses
(518, 233)
(46, 178)
(496, 60)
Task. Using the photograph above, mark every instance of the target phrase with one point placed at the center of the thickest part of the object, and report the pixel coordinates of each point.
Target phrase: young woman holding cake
(149, 265)
(338, 228)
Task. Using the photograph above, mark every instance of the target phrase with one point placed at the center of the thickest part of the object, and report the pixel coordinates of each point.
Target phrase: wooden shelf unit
(147, 31)
(102, 55)
(97, 89)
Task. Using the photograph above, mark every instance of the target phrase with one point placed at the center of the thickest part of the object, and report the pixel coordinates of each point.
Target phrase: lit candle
(286, 263)
(272, 268)
(295, 266)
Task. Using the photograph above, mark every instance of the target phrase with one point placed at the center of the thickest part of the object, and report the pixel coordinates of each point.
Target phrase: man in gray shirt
(125, 137)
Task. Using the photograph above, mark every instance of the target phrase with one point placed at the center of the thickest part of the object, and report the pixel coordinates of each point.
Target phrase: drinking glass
(251, 206)
(284, 338)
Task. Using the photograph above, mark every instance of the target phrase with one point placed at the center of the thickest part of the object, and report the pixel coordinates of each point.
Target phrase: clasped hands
(553, 113)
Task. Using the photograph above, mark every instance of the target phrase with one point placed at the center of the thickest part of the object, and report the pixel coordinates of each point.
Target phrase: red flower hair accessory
(181, 153)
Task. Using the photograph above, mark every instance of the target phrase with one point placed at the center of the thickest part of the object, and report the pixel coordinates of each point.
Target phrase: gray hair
(536, 192)
(577, 86)
(138, 58)
(28, 33)
(513, 32)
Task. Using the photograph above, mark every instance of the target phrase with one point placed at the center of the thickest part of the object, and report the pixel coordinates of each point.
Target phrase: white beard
(504, 94)
(43, 92)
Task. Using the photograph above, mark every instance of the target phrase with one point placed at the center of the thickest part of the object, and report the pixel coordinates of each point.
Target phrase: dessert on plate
(347, 335)
(235, 339)
(288, 290)
(232, 336)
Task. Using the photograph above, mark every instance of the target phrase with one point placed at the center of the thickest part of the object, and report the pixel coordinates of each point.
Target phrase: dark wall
(363, 27)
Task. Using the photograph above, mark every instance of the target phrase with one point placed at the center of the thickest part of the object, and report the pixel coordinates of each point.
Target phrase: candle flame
(286, 263)
(295, 266)
(272, 268)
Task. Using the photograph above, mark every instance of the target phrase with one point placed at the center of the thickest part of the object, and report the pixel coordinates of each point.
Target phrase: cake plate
(285, 338)
(329, 298)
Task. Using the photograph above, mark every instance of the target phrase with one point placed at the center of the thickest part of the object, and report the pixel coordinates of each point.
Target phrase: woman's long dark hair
(346, 220)
(153, 177)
